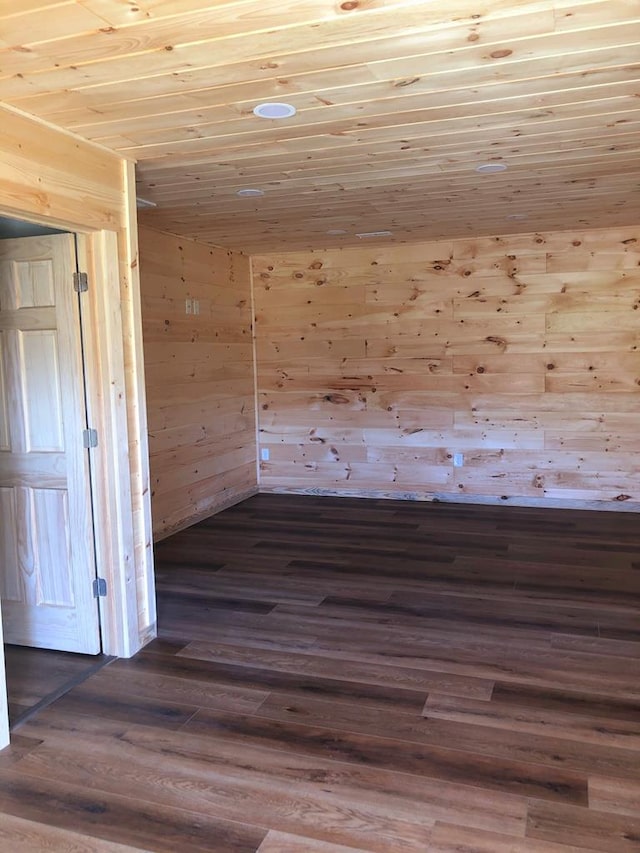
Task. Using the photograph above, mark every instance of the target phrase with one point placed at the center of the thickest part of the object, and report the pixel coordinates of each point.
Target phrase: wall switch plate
(458, 460)
(264, 454)
(196, 306)
(188, 307)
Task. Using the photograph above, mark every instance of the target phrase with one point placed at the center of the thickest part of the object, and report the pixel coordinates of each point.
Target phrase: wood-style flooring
(337, 675)
(36, 677)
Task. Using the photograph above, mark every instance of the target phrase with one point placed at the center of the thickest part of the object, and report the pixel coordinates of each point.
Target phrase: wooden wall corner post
(131, 301)
(254, 356)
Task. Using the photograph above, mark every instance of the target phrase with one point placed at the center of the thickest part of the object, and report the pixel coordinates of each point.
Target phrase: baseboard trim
(445, 497)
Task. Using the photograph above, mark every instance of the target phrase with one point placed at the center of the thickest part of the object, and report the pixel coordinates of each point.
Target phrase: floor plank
(376, 676)
(121, 819)
(28, 836)
(282, 842)
(591, 829)
(35, 676)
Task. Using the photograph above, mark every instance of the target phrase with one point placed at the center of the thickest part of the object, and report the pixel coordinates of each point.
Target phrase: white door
(47, 563)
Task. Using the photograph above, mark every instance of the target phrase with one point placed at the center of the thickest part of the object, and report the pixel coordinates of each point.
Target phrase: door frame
(106, 392)
(104, 329)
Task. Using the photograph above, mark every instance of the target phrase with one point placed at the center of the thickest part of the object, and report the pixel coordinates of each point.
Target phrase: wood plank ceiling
(398, 102)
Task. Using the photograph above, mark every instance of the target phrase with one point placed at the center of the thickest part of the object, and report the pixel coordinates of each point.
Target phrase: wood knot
(494, 339)
(501, 54)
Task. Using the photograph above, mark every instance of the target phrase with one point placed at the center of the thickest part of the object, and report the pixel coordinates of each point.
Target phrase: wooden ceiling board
(397, 102)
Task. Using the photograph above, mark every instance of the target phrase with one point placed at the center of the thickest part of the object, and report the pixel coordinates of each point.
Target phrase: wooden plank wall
(200, 380)
(53, 177)
(377, 365)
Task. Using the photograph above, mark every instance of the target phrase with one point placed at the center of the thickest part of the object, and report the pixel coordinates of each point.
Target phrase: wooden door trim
(107, 410)
(114, 516)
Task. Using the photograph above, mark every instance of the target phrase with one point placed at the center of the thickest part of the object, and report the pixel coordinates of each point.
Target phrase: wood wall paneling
(200, 382)
(377, 365)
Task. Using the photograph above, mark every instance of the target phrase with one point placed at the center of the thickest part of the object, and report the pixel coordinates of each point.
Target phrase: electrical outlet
(264, 454)
(458, 460)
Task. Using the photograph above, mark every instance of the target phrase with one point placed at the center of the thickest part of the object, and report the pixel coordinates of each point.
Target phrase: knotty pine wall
(376, 365)
(200, 380)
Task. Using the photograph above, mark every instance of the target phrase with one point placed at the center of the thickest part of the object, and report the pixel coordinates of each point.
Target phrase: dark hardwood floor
(339, 675)
(36, 677)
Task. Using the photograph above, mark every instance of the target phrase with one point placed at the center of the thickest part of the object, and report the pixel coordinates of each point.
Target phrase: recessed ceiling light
(141, 203)
(517, 217)
(250, 193)
(334, 232)
(490, 168)
(273, 110)
(374, 234)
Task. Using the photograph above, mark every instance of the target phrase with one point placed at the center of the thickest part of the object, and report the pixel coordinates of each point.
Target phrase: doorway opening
(47, 555)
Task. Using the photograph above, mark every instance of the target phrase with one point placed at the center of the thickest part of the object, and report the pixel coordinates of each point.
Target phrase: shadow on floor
(37, 677)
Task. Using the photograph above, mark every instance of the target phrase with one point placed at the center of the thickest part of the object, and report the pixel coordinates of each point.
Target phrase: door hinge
(89, 438)
(80, 282)
(99, 588)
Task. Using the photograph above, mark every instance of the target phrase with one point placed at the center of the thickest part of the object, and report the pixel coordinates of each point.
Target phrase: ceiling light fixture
(274, 110)
(250, 193)
(517, 217)
(374, 234)
(490, 168)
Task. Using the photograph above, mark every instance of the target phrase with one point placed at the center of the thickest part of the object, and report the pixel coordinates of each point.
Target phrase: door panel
(9, 576)
(41, 390)
(46, 533)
